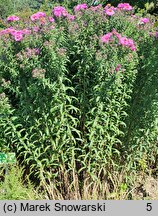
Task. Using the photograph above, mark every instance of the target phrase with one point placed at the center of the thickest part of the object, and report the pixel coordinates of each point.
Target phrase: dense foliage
(79, 92)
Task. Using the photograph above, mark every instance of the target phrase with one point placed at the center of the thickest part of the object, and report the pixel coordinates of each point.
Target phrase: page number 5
(149, 206)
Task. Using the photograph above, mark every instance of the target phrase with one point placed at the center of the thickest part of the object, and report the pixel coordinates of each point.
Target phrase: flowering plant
(75, 82)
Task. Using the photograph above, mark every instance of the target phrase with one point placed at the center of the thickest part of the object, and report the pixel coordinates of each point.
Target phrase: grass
(115, 186)
(14, 187)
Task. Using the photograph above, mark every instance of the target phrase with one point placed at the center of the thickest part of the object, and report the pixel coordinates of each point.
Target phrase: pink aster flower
(128, 7)
(16, 32)
(123, 41)
(37, 16)
(13, 32)
(12, 18)
(121, 5)
(131, 44)
(26, 31)
(133, 48)
(105, 38)
(6, 31)
(125, 6)
(36, 29)
(41, 14)
(10, 31)
(117, 67)
(51, 19)
(156, 34)
(109, 12)
(144, 20)
(80, 7)
(18, 36)
(59, 11)
(71, 17)
(127, 42)
(34, 17)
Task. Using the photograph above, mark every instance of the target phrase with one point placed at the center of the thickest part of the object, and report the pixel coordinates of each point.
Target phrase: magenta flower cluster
(17, 34)
(37, 16)
(106, 38)
(110, 10)
(125, 6)
(80, 7)
(59, 11)
(51, 19)
(12, 18)
(144, 20)
(124, 41)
